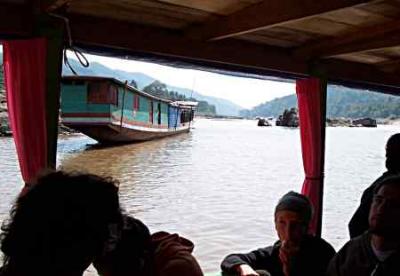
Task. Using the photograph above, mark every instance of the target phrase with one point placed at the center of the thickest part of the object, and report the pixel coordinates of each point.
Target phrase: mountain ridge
(341, 102)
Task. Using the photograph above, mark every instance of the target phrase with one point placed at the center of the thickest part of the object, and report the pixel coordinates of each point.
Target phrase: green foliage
(341, 102)
(272, 108)
(353, 103)
(159, 89)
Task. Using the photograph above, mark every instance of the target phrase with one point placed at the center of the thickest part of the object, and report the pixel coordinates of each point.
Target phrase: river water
(218, 185)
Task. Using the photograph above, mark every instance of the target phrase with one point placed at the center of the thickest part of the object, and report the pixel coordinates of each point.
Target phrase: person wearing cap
(295, 253)
(359, 222)
(377, 251)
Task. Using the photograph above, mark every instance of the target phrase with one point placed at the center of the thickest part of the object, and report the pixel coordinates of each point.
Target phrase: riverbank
(347, 122)
(221, 117)
(4, 126)
(5, 130)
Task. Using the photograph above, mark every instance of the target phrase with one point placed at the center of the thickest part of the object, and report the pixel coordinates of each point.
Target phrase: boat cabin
(111, 111)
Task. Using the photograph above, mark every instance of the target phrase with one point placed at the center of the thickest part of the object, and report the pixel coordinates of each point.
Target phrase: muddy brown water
(218, 185)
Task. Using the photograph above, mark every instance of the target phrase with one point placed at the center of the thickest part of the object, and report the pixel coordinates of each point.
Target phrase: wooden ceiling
(354, 42)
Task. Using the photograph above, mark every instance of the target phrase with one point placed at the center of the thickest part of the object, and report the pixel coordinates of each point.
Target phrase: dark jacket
(312, 260)
(357, 258)
(359, 222)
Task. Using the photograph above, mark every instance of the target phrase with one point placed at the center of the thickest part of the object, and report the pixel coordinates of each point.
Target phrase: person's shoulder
(271, 249)
(357, 244)
(380, 178)
(317, 241)
(320, 245)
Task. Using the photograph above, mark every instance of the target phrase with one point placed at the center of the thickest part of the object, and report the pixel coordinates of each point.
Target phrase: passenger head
(59, 224)
(292, 217)
(393, 153)
(385, 208)
(130, 254)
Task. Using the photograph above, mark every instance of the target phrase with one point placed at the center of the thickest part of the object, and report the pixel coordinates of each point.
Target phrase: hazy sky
(245, 92)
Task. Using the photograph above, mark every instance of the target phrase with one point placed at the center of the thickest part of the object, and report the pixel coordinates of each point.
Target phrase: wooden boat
(111, 111)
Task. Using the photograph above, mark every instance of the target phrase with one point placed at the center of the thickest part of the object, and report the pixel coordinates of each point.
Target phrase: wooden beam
(152, 40)
(361, 76)
(266, 14)
(15, 20)
(156, 44)
(47, 6)
(370, 38)
(392, 66)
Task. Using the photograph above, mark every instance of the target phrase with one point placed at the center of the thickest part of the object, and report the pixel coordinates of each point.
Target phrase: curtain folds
(25, 80)
(311, 96)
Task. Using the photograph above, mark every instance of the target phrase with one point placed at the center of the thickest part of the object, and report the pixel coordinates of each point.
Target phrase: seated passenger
(59, 225)
(136, 252)
(359, 222)
(296, 252)
(377, 251)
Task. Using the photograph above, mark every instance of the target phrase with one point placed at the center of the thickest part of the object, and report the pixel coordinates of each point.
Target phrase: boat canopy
(185, 104)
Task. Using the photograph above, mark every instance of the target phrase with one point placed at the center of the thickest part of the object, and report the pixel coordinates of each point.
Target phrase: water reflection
(218, 185)
(204, 183)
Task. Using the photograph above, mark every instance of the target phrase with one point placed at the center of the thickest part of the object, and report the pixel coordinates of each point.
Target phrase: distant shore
(63, 130)
(201, 116)
(391, 121)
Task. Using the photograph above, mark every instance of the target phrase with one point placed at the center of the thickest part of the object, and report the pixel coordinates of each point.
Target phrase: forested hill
(207, 105)
(160, 89)
(341, 102)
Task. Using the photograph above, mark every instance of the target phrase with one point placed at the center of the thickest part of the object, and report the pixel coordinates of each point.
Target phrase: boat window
(136, 103)
(159, 113)
(102, 93)
(151, 111)
(186, 116)
(113, 94)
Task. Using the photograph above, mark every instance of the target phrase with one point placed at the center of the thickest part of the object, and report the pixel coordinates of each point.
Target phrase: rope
(78, 53)
(314, 178)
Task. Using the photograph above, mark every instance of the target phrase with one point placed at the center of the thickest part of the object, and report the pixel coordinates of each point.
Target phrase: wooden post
(53, 30)
(324, 87)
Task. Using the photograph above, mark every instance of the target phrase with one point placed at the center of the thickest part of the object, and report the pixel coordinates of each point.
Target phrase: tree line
(160, 90)
(341, 102)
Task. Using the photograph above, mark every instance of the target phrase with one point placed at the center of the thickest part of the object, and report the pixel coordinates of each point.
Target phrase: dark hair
(393, 153)
(131, 255)
(297, 203)
(389, 180)
(59, 224)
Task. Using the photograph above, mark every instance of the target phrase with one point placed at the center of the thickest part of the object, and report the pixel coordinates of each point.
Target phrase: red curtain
(25, 80)
(311, 102)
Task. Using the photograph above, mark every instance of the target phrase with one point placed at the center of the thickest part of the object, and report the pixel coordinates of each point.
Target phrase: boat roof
(350, 42)
(185, 104)
(115, 81)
